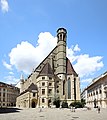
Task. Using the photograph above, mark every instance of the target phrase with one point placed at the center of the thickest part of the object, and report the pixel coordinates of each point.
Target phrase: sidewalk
(55, 114)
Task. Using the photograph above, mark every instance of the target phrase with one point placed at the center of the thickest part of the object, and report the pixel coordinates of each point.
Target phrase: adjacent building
(8, 95)
(96, 92)
(54, 78)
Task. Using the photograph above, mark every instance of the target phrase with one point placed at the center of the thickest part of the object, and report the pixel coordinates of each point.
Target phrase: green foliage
(77, 104)
(83, 102)
(57, 103)
(64, 104)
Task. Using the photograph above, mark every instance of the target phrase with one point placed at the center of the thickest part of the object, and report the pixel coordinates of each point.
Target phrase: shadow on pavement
(9, 110)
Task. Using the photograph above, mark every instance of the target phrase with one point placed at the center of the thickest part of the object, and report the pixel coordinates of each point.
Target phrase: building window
(3, 89)
(3, 94)
(50, 84)
(96, 92)
(34, 94)
(64, 87)
(3, 104)
(91, 94)
(57, 91)
(43, 91)
(43, 83)
(3, 99)
(43, 78)
(50, 78)
(43, 100)
(100, 92)
(105, 95)
(74, 88)
(69, 89)
(50, 91)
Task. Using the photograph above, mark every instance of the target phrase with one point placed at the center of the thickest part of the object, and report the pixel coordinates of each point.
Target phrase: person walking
(98, 109)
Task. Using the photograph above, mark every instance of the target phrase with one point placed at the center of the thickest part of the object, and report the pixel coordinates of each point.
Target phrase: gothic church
(54, 78)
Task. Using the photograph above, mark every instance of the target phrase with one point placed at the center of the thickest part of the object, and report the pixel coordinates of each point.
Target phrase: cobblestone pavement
(55, 114)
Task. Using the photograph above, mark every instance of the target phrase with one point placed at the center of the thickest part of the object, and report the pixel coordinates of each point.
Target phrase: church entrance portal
(34, 103)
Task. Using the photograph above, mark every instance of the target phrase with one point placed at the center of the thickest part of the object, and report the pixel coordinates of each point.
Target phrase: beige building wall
(97, 92)
(8, 95)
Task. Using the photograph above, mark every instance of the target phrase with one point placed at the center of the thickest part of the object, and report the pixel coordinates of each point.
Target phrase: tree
(64, 104)
(56, 100)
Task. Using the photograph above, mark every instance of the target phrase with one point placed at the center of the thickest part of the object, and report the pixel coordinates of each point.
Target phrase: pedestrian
(40, 109)
(98, 109)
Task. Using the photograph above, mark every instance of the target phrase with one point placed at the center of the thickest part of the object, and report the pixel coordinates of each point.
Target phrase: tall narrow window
(64, 87)
(43, 83)
(69, 88)
(74, 88)
(50, 91)
(43, 100)
(43, 91)
(34, 94)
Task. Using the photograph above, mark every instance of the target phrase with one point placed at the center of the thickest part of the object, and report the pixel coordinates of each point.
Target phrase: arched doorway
(34, 103)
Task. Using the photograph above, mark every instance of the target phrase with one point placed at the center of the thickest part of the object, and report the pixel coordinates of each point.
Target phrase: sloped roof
(70, 69)
(32, 87)
(2, 84)
(46, 70)
(45, 58)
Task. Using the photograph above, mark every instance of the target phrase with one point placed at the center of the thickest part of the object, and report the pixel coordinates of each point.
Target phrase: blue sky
(28, 34)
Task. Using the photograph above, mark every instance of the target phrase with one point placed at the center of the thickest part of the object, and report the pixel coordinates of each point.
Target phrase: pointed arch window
(69, 88)
(74, 88)
(64, 87)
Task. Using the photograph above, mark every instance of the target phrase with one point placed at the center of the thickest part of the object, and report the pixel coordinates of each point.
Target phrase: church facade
(54, 78)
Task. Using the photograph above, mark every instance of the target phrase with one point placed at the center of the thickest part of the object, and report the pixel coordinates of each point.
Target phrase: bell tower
(61, 53)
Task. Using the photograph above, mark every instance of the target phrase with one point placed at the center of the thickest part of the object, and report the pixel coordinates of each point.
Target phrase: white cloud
(7, 65)
(4, 5)
(71, 53)
(84, 65)
(86, 80)
(25, 57)
(11, 73)
(76, 48)
(10, 79)
(87, 65)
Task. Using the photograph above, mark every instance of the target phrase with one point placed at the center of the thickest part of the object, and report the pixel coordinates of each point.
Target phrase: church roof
(32, 87)
(70, 69)
(46, 70)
